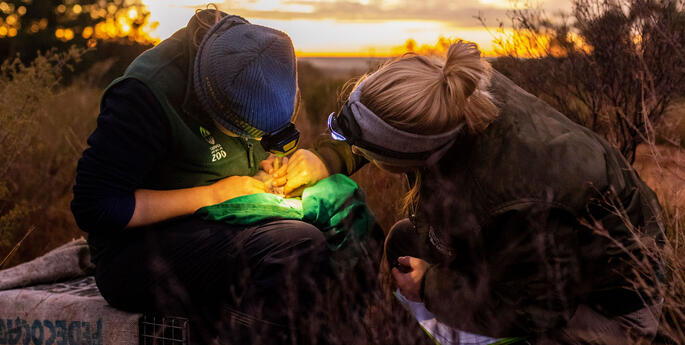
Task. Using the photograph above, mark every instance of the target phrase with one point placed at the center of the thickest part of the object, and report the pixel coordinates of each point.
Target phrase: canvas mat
(53, 299)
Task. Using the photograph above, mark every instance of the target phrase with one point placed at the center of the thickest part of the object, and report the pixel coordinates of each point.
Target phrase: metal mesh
(163, 330)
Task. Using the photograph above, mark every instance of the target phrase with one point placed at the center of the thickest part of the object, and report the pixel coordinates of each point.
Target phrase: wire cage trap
(163, 330)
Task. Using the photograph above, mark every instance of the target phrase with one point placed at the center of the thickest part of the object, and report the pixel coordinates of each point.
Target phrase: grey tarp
(53, 300)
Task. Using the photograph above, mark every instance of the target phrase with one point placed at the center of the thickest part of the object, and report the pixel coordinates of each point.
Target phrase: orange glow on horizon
(137, 23)
(527, 44)
(386, 41)
(439, 48)
(342, 54)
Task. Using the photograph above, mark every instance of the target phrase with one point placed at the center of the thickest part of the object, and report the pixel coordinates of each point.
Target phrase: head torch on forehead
(343, 127)
(283, 142)
(334, 131)
(362, 128)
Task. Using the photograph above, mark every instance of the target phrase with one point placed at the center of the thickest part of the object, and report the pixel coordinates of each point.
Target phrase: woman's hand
(304, 169)
(235, 186)
(409, 283)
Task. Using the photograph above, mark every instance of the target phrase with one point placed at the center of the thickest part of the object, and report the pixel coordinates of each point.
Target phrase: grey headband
(376, 131)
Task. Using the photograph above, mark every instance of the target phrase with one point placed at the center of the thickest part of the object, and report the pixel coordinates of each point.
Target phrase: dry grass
(662, 167)
(43, 129)
(672, 129)
(663, 170)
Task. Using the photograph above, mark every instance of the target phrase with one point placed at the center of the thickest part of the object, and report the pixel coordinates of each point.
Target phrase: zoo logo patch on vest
(217, 151)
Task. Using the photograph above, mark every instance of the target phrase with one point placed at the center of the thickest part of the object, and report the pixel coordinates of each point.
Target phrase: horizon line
(359, 55)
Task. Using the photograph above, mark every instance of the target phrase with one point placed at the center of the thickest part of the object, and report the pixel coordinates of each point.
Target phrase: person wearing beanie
(179, 131)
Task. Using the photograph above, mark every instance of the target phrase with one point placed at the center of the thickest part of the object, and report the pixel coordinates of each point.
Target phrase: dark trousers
(587, 326)
(233, 282)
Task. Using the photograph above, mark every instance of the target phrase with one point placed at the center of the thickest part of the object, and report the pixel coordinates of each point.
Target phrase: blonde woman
(521, 222)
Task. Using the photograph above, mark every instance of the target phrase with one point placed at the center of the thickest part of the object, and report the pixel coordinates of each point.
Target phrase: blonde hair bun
(432, 95)
(463, 69)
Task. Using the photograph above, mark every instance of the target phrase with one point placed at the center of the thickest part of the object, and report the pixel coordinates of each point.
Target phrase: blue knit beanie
(245, 77)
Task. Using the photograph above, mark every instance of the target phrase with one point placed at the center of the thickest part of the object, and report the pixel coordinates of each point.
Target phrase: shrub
(618, 68)
(613, 66)
(43, 127)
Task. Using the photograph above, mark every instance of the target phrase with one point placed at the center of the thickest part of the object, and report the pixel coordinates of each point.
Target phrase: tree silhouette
(613, 66)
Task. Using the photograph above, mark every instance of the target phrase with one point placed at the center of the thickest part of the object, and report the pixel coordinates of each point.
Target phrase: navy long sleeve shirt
(132, 135)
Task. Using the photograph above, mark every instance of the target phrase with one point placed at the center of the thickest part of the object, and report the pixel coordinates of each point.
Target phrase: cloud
(454, 13)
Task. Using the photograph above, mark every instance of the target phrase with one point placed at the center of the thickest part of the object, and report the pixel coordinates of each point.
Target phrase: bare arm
(153, 206)
(131, 137)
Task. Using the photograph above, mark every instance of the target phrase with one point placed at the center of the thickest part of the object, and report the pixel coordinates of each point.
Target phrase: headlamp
(357, 125)
(283, 142)
(335, 134)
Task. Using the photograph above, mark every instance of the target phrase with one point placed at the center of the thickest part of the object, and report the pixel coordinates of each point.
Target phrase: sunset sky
(353, 27)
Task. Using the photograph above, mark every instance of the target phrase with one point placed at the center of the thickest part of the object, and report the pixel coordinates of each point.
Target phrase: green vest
(199, 153)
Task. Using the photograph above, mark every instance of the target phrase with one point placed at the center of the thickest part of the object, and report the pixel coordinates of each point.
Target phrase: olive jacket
(528, 219)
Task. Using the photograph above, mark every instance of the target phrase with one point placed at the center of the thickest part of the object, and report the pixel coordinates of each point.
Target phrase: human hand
(272, 172)
(304, 169)
(262, 176)
(273, 164)
(233, 187)
(409, 282)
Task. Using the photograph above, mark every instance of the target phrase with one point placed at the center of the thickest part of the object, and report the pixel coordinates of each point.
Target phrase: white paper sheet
(443, 334)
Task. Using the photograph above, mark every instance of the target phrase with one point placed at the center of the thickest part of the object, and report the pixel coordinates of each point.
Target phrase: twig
(14, 249)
